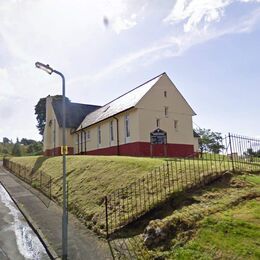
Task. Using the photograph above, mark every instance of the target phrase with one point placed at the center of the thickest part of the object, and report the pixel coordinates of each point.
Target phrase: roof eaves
(78, 129)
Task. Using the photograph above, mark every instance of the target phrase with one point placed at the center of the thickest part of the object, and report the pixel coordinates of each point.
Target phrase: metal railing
(129, 203)
(37, 179)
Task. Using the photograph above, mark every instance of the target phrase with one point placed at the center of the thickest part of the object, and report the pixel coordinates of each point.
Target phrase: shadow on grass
(166, 208)
(39, 162)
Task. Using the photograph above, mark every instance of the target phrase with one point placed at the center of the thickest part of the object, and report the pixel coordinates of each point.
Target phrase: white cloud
(71, 36)
(121, 24)
(199, 13)
(173, 45)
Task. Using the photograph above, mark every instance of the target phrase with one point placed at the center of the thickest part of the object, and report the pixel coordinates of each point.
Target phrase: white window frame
(88, 135)
(127, 129)
(111, 131)
(99, 141)
(76, 143)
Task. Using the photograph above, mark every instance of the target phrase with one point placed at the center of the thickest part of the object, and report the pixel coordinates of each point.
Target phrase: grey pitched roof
(75, 112)
(120, 104)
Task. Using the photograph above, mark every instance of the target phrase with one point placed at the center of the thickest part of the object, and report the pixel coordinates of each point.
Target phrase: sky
(209, 48)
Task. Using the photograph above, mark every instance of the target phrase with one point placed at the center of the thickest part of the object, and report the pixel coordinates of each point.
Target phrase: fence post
(106, 205)
(231, 151)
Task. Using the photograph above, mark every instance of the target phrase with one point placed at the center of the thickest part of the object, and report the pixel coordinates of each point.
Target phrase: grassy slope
(225, 234)
(231, 233)
(90, 178)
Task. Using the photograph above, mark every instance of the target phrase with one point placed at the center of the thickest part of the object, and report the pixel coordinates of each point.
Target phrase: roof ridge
(75, 103)
(85, 104)
(133, 89)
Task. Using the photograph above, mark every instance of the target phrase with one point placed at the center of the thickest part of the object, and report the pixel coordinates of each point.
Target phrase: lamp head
(44, 67)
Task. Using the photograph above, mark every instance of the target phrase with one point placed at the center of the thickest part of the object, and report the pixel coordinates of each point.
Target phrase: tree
(35, 148)
(25, 141)
(16, 151)
(6, 140)
(40, 112)
(210, 141)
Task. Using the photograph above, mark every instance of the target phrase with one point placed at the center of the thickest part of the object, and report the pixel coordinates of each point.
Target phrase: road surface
(17, 239)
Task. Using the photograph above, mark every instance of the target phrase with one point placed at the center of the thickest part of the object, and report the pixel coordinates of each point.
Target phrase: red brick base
(146, 150)
(57, 151)
(136, 149)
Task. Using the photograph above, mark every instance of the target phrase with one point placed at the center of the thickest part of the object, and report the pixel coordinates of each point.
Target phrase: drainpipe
(117, 135)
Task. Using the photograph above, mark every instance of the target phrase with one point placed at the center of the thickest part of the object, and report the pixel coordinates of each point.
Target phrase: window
(99, 135)
(175, 124)
(77, 142)
(76, 139)
(111, 131)
(88, 134)
(157, 122)
(127, 130)
(82, 141)
(85, 143)
(166, 111)
(165, 93)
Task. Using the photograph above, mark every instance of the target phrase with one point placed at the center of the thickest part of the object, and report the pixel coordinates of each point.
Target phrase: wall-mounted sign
(64, 150)
(158, 136)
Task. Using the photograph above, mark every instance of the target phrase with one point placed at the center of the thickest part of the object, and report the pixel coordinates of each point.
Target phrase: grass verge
(220, 221)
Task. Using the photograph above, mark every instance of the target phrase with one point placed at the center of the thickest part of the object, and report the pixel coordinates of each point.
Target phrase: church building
(153, 120)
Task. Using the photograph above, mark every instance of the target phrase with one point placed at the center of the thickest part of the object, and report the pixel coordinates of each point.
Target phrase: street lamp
(50, 70)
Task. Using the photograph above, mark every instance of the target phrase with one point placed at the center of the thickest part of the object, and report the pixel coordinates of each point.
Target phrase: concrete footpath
(82, 243)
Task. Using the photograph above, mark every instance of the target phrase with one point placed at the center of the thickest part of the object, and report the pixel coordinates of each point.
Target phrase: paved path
(82, 243)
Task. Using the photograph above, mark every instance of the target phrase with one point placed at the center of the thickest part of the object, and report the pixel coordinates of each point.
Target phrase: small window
(127, 130)
(111, 131)
(165, 93)
(157, 122)
(88, 134)
(166, 111)
(175, 124)
(99, 135)
(82, 137)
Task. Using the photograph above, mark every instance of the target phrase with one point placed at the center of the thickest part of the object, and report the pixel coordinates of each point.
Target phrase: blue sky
(210, 49)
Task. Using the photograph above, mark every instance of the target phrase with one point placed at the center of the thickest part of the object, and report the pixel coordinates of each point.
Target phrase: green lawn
(231, 234)
(223, 223)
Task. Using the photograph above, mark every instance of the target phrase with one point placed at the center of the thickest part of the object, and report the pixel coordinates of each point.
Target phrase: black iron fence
(176, 175)
(126, 204)
(37, 179)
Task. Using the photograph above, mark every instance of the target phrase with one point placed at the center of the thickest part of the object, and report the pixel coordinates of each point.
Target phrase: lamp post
(50, 70)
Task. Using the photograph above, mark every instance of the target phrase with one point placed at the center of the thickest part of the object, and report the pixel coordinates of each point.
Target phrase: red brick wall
(146, 150)
(136, 149)
(57, 151)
